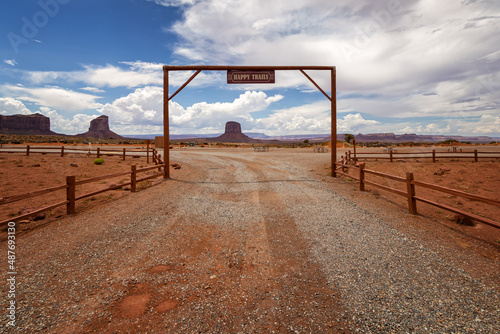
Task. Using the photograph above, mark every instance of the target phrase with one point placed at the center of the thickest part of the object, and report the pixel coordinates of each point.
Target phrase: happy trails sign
(250, 77)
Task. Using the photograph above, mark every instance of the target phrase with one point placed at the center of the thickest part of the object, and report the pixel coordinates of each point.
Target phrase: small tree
(348, 137)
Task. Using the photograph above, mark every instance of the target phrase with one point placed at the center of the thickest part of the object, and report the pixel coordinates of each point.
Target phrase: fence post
(147, 152)
(70, 194)
(62, 151)
(410, 191)
(27, 150)
(354, 143)
(475, 156)
(390, 155)
(349, 157)
(433, 156)
(133, 179)
(98, 152)
(159, 162)
(124, 154)
(362, 176)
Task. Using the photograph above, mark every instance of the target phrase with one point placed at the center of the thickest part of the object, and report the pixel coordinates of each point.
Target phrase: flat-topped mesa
(233, 134)
(99, 128)
(233, 127)
(100, 123)
(35, 124)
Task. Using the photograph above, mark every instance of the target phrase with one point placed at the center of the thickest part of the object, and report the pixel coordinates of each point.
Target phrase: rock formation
(36, 124)
(99, 128)
(233, 134)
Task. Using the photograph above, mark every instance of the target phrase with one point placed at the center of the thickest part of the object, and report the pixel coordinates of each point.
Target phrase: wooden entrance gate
(198, 68)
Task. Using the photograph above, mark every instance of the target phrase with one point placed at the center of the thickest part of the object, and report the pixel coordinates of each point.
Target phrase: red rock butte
(233, 134)
(99, 128)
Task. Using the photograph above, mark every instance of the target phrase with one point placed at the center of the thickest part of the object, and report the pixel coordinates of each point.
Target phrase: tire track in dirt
(236, 263)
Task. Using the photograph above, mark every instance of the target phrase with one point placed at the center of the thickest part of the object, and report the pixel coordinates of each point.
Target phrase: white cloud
(173, 3)
(11, 106)
(138, 74)
(144, 107)
(53, 97)
(487, 124)
(355, 123)
(76, 124)
(11, 62)
(93, 90)
(399, 49)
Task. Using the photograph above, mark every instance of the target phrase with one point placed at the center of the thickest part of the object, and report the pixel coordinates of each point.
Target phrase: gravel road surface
(245, 242)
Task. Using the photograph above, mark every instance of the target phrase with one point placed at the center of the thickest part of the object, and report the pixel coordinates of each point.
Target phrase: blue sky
(403, 66)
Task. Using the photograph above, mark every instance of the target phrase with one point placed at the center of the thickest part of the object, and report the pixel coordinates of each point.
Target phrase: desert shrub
(99, 161)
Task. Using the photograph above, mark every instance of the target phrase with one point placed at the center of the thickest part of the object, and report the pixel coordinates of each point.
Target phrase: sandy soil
(481, 178)
(21, 174)
(222, 248)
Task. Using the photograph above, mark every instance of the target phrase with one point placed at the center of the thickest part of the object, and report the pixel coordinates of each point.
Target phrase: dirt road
(245, 242)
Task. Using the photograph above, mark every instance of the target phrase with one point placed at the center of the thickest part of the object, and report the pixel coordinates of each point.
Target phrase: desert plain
(239, 241)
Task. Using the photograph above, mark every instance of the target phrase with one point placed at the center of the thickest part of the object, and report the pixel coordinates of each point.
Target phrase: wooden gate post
(433, 155)
(390, 155)
(475, 156)
(362, 176)
(62, 151)
(98, 152)
(410, 191)
(27, 150)
(70, 194)
(133, 179)
(354, 144)
(124, 154)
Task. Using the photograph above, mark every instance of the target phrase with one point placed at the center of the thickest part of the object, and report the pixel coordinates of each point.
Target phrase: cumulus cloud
(75, 124)
(355, 123)
(394, 50)
(144, 107)
(11, 106)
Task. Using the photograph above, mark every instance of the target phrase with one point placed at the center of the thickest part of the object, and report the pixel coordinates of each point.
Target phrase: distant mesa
(233, 134)
(99, 128)
(39, 125)
(412, 137)
(36, 124)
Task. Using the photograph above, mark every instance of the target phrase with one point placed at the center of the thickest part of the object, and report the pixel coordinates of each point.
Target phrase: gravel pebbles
(243, 242)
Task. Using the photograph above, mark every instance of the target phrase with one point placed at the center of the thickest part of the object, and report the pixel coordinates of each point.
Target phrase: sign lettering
(250, 77)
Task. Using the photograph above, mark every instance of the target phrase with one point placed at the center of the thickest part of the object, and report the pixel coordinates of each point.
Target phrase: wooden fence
(391, 155)
(411, 191)
(72, 183)
(65, 150)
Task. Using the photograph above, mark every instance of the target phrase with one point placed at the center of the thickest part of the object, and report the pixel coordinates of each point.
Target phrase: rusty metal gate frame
(198, 68)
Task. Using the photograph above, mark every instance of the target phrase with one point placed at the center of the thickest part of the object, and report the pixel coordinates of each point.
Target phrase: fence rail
(410, 193)
(71, 186)
(65, 150)
(391, 155)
